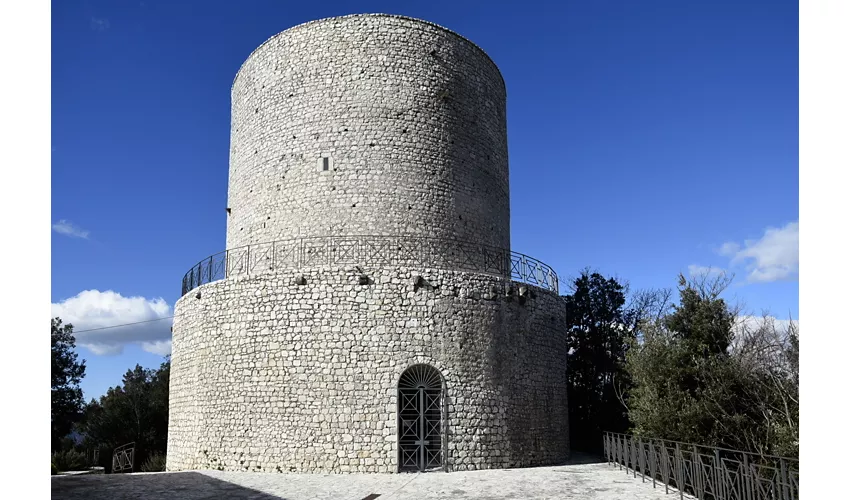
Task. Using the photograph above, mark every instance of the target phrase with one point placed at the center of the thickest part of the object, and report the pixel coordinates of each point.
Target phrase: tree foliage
(599, 329)
(701, 375)
(66, 396)
(136, 411)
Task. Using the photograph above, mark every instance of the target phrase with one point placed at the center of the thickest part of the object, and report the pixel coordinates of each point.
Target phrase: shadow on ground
(176, 485)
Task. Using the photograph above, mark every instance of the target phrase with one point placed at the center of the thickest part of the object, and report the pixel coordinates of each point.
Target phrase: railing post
(625, 453)
(641, 461)
(328, 244)
(718, 489)
(696, 472)
(524, 274)
(745, 478)
(680, 462)
(625, 450)
(653, 463)
(784, 478)
(605, 447)
(633, 447)
(619, 452)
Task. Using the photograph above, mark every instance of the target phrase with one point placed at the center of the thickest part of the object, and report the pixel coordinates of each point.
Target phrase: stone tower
(368, 314)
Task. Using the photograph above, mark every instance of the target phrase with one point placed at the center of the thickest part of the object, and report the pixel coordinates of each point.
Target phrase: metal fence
(703, 472)
(370, 251)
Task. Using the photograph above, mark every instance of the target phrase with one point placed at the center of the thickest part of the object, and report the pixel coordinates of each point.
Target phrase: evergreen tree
(66, 397)
(136, 411)
(599, 329)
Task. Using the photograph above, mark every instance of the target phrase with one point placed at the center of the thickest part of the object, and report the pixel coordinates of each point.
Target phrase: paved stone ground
(578, 480)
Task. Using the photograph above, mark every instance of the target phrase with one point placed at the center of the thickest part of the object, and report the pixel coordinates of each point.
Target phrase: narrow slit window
(325, 163)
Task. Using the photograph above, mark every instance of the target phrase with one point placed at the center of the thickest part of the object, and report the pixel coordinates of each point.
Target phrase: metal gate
(420, 419)
(122, 457)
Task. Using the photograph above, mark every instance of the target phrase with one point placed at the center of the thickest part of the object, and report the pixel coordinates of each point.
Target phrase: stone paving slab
(595, 481)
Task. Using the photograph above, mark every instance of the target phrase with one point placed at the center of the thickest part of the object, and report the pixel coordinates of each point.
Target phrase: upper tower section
(368, 125)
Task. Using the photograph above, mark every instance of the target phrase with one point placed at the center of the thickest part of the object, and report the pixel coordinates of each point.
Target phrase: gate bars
(123, 457)
(703, 472)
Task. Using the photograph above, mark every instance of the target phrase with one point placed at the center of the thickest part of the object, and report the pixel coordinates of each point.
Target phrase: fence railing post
(718, 489)
(696, 473)
(641, 461)
(620, 454)
(605, 448)
(784, 478)
(652, 463)
(680, 463)
(633, 456)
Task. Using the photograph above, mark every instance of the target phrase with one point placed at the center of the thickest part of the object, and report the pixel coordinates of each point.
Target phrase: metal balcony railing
(412, 251)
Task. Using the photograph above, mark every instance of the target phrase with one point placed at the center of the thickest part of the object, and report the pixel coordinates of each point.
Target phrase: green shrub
(53, 470)
(68, 460)
(154, 463)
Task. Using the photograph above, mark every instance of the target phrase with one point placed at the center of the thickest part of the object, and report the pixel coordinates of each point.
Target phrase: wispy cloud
(698, 270)
(99, 24)
(93, 310)
(774, 256)
(69, 229)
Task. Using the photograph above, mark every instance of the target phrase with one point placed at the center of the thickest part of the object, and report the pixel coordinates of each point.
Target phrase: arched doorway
(420, 419)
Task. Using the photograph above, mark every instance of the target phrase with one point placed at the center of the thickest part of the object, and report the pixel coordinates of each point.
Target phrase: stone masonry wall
(270, 375)
(410, 116)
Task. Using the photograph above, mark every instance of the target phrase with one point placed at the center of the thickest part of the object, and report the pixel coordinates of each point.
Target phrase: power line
(125, 324)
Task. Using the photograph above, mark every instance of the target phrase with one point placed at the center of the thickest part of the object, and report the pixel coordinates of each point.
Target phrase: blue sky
(645, 139)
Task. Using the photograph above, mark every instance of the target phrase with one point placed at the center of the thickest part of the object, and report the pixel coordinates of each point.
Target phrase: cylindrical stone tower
(368, 125)
(368, 314)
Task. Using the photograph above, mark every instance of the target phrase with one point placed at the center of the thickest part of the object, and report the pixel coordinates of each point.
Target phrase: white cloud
(695, 270)
(751, 323)
(69, 229)
(92, 309)
(161, 347)
(762, 337)
(729, 249)
(773, 257)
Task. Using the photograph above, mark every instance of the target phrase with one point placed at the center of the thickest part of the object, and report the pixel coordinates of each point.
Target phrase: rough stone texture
(269, 375)
(296, 369)
(411, 116)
